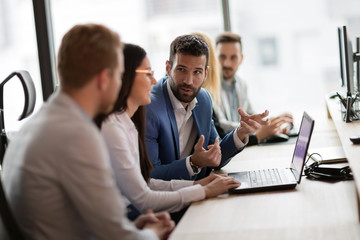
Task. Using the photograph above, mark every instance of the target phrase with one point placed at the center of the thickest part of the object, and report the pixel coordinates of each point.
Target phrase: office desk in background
(313, 210)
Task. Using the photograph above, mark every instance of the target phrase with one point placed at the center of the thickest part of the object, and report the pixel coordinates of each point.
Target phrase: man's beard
(228, 76)
(183, 97)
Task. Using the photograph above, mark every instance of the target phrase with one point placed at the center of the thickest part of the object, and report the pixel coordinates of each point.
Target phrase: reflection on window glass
(152, 24)
(18, 52)
(291, 50)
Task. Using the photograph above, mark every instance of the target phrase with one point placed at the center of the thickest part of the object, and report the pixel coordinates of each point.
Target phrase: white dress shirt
(187, 130)
(58, 178)
(121, 138)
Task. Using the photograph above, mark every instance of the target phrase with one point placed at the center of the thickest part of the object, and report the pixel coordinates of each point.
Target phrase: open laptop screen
(302, 145)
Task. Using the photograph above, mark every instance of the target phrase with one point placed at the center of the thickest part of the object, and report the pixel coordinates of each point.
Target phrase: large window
(152, 24)
(291, 50)
(290, 47)
(18, 51)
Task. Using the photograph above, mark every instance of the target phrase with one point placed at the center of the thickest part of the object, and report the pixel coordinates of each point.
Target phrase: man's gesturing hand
(206, 158)
(251, 123)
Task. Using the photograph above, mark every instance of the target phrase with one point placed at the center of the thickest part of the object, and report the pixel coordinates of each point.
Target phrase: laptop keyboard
(264, 177)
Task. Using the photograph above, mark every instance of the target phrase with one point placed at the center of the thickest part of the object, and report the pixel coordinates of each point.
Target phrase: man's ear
(103, 79)
(207, 70)
(241, 58)
(168, 68)
(206, 73)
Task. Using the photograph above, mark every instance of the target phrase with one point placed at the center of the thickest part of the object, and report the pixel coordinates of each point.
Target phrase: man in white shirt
(57, 174)
(233, 91)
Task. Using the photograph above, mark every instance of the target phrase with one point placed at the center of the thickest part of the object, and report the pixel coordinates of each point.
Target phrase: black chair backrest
(10, 227)
(30, 99)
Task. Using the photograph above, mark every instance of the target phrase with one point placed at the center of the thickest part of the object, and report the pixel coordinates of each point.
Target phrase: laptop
(278, 178)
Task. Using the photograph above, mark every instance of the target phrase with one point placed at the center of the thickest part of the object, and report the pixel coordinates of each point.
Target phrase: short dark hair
(228, 37)
(188, 44)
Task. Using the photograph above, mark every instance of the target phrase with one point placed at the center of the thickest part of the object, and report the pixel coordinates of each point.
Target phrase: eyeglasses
(148, 72)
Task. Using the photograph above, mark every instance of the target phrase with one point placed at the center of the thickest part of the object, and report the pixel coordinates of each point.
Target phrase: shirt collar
(176, 104)
(228, 85)
(124, 118)
(64, 97)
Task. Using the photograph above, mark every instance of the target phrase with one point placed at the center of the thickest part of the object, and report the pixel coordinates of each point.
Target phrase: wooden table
(313, 210)
(345, 131)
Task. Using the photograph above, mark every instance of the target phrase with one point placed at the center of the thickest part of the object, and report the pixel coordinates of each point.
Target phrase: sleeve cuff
(192, 193)
(179, 184)
(189, 168)
(238, 143)
(149, 234)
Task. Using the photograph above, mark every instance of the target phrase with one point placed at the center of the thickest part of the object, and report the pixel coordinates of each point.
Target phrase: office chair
(9, 229)
(30, 99)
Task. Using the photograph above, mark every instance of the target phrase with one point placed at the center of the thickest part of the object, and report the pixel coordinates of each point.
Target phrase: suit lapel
(196, 114)
(172, 119)
(225, 103)
(238, 90)
(196, 121)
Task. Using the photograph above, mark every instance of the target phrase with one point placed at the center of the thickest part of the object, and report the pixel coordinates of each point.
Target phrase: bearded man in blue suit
(181, 138)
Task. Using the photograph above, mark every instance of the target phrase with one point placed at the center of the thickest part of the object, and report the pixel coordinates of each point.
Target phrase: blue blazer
(162, 139)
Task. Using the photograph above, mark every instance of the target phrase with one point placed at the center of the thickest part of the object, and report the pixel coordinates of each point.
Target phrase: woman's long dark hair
(133, 57)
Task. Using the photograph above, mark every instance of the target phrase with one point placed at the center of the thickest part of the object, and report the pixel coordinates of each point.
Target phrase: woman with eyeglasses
(124, 133)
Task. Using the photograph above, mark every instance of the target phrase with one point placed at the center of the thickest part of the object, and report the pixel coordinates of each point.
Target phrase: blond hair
(212, 82)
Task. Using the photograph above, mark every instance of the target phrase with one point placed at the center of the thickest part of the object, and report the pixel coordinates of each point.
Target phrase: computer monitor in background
(341, 55)
(349, 62)
(357, 59)
(349, 57)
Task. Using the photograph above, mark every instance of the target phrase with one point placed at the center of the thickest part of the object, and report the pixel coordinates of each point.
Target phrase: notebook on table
(279, 178)
(334, 154)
